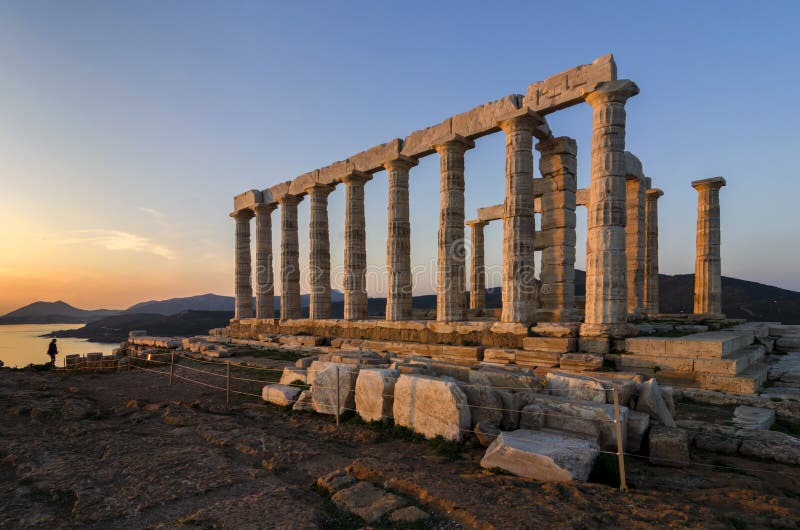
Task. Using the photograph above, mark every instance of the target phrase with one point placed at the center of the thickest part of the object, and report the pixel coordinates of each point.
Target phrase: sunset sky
(127, 127)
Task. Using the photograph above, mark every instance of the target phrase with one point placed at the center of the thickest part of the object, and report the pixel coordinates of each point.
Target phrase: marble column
(243, 289)
(477, 277)
(355, 248)
(451, 274)
(708, 262)
(265, 281)
(398, 241)
(636, 188)
(319, 259)
(519, 290)
(558, 166)
(651, 253)
(290, 258)
(606, 282)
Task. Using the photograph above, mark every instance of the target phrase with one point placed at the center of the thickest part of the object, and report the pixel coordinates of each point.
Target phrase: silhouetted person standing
(52, 351)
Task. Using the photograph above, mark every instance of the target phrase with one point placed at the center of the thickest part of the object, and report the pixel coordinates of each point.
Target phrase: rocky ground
(125, 450)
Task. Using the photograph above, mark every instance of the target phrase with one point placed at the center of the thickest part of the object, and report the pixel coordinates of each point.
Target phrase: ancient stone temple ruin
(542, 323)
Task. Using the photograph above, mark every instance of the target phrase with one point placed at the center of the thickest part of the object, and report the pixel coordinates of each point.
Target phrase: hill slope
(54, 312)
(116, 328)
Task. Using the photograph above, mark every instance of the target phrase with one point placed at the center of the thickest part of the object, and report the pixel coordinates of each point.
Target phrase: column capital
(524, 118)
(356, 177)
(290, 199)
(265, 208)
(244, 213)
(319, 190)
(653, 194)
(476, 223)
(612, 92)
(401, 162)
(453, 142)
(713, 183)
(560, 145)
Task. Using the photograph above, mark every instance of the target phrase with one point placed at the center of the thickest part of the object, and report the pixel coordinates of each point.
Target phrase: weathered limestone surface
(398, 240)
(265, 288)
(638, 426)
(375, 393)
(477, 277)
(575, 386)
(708, 263)
(247, 200)
(651, 302)
(281, 395)
(569, 87)
(244, 289)
(291, 374)
(635, 201)
(355, 248)
(374, 158)
(451, 274)
(431, 406)
(367, 501)
(319, 258)
(606, 284)
(558, 166)
(290, 258)
(519, 289)
(651, 401)
(753, 418)
(324, 386)
(542, 455)
(669, 446)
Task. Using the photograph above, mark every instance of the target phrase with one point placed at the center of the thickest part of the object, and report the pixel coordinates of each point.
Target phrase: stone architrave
(635, 197)
(708, 262)
(319, 258)
(519, 290)
(606, 283)
(398, 240)
(558, 166)
(290, 258)
(265, 288)
(355, 247)
(451, 274)
(244, 289)
(651, 253)
(477, 270)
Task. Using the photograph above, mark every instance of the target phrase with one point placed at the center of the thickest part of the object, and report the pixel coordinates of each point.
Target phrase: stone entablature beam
(708, 261)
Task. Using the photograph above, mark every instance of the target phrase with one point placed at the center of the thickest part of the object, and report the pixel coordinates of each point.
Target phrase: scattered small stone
(335, 481)
(409, 514)
(367, 501)
(753, 418)
(486, 432)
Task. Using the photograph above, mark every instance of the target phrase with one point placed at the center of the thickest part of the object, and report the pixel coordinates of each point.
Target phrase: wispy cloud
(116, 240)
(152, 212)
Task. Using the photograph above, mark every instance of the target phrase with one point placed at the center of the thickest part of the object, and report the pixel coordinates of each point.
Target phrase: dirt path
(125, 450)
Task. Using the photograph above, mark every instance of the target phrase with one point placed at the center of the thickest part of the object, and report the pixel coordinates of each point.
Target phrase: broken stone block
(669, 446)
(375, 393)
(575, 386)
(323, 391)
(773, 445)
(652, 402)
(304, 402)
(753, 418)
(409, 514)
(485, 405)
(581, 361)
(638, 425)
(281, 395)
(431, 406)
(305, 362)
(582, 417)
(334, 481)
(367, 501)
(486, 433)
(291, 374)
(542, 455)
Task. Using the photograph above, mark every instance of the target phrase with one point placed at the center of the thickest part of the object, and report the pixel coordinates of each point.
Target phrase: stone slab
(551, 344)
(281, 395)
(431, 406)
(669, 446)
(753, 418)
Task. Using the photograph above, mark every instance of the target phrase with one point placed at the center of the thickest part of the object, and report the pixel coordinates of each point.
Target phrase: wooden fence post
(171, 367)
(623, 484)
(338, 403)
(227, 383)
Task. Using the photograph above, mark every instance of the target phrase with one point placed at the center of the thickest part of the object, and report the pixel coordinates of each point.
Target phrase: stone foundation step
(750, 381)
(713, 344)
(732, 364)
(526, 358)
(551, 344)
(466, 355)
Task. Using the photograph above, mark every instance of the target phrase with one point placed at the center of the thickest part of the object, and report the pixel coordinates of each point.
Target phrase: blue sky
(127, 127)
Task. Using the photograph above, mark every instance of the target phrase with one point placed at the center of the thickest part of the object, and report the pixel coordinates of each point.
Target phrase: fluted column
(451, 274)
(606, 283)
(708, 261)
(265, 282)
(398, 241)
(558, 166)
(651, 253)
(355, 248)
(319, 259)
(244, 290)
(477, 277)
(519, 290)
(290, 258)
(636, 188)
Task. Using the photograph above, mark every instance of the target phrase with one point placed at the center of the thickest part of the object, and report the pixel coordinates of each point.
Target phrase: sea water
(22, 344)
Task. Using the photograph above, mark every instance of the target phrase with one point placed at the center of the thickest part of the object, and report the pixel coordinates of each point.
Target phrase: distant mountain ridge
(54, 312)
